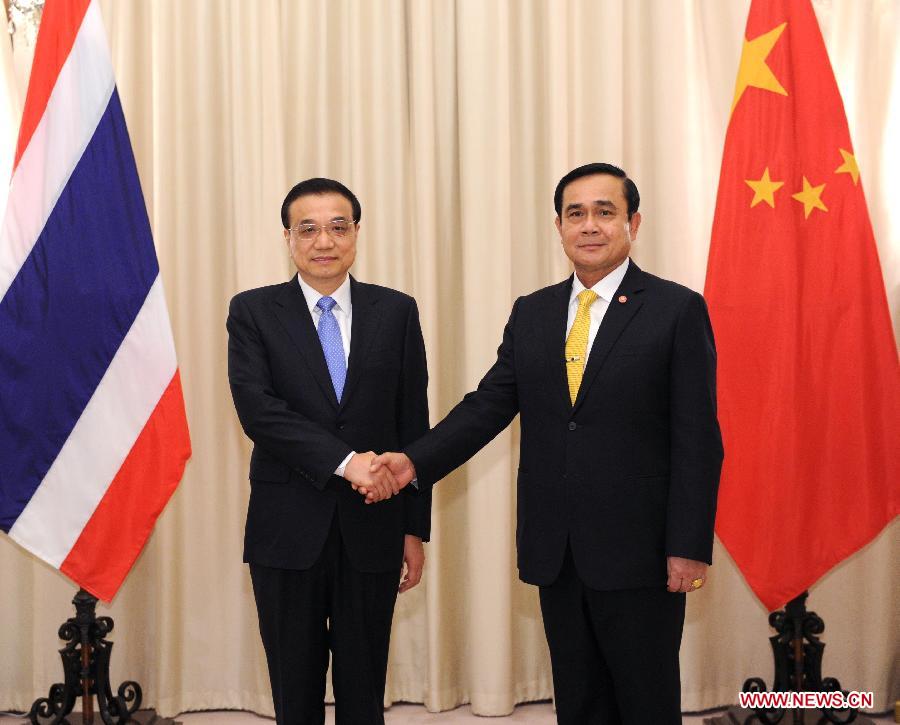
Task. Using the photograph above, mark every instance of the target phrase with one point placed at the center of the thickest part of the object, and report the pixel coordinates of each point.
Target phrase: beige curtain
(452, 120)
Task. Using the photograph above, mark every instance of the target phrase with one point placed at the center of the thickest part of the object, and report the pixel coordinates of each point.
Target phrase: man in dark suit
(613, 373)
(323, 371)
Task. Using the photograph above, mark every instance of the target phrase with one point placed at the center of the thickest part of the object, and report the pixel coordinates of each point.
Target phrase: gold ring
(697, 583)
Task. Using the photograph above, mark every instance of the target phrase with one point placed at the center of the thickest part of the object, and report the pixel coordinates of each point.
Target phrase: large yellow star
(810, 197)
(764, 189)
(849, 166)
(753, 72)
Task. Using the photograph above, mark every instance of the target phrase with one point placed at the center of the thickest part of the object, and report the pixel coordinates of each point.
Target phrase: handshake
(378, 477)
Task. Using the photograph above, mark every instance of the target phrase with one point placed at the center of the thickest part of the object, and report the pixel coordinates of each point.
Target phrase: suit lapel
(293, 314)
(554, 334)
(363, 330)
(616, 319)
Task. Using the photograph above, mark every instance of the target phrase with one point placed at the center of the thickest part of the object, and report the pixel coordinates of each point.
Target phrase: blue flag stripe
(68, 309)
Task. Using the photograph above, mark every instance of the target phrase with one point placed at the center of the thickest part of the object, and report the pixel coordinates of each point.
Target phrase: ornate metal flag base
(140, 717)
(798, 667)
(86, 667)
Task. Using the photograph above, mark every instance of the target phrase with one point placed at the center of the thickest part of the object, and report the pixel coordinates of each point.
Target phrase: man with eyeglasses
(324, 370)
(613, 373)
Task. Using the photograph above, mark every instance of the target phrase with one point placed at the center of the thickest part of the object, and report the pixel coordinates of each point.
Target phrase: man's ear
(634, 224)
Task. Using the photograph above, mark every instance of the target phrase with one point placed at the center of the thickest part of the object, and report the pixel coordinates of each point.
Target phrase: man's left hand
(413, 561)
(684, 574)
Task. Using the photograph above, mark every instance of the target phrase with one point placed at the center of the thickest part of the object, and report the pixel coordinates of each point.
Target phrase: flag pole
(85, 660)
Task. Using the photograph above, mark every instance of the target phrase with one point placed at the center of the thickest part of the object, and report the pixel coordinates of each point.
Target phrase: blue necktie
(332, 345)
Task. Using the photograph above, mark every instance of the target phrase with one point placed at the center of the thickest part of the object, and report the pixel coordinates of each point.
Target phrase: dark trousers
(614, 654)
(303, 614)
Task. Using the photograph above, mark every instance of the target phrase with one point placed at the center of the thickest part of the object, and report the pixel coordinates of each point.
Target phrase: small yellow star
(764, 189)
(753, 71)
(810, 197)
(849, 166)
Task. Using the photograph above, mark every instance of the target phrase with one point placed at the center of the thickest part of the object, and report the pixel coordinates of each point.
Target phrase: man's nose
(323, 240)
(591, 225)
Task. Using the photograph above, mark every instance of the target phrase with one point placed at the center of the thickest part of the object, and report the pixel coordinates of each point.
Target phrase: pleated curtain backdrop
(452, 120)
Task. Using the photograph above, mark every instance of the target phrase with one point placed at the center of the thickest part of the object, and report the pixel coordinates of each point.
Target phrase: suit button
(341, 426)
(572, 425)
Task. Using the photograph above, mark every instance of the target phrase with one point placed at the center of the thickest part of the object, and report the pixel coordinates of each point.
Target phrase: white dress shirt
(343, 313)
(605, 290)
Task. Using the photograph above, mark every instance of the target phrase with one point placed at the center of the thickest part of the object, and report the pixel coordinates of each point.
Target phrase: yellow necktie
(576, 344)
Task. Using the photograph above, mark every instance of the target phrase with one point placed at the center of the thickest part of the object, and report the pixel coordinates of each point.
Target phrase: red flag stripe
(124, 518)
(54, 42)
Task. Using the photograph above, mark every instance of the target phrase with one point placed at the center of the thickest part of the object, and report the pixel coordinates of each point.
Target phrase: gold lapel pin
(623, 299)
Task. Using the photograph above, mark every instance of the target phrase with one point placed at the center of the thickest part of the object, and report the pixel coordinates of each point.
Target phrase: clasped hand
(365, 478)
(379, 477)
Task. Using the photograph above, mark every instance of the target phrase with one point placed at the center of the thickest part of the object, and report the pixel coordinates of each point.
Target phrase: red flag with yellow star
(809, 380)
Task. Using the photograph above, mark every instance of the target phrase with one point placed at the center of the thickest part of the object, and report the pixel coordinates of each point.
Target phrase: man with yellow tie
(613, 373)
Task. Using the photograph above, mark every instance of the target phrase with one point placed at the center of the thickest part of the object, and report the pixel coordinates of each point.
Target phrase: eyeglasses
(335, 230)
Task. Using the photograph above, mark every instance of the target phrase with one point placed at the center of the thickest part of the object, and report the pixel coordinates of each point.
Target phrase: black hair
(319, 186)
(628, 186)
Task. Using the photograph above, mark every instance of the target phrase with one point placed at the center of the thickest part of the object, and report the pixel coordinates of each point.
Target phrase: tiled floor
(400, 715)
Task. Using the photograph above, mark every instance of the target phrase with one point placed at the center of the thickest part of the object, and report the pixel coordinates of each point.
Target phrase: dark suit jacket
(629, 474)
(287, 406)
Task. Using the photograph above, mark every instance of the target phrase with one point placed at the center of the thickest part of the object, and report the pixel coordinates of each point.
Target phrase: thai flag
(93, 433)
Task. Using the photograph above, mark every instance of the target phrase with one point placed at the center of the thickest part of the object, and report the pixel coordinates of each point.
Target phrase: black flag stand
(86, 668)
(798, 668)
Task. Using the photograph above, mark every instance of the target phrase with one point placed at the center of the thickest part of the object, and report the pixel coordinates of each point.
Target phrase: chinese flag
(809, 380)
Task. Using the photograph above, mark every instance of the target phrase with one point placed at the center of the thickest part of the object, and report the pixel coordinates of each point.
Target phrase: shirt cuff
(339, 471)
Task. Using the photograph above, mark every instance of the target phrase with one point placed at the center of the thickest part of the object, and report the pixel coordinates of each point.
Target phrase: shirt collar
(606, 287)
(341, 295)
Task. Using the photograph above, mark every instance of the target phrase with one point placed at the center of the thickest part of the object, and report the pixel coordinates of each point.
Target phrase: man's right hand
(367, 481)
(398, 464)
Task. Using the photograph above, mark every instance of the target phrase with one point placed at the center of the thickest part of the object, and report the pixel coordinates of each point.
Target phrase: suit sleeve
(266, 418)
(412, 417)
(696, 442)
(476, 419)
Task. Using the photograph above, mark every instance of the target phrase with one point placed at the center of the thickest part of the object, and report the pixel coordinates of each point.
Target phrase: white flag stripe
(74, 109)
(139, 373)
